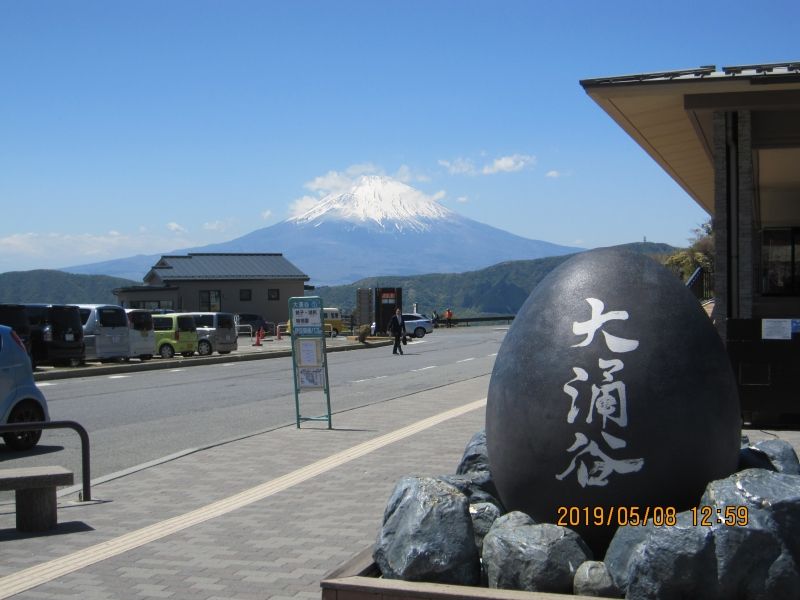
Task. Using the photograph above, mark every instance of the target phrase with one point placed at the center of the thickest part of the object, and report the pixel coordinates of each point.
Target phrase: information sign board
(309, 360)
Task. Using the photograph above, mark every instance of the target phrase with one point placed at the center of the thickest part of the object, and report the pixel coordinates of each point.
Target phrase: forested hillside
(495, 290)
(58, 287)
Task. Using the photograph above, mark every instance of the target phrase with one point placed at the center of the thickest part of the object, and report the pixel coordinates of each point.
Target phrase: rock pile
(741, 541)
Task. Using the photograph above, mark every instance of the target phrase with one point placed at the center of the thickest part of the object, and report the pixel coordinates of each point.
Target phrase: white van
(142, 336)
(216, 331)
(105, 331)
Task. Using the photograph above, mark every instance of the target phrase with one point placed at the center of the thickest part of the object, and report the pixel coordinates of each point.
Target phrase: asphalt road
(136, 418)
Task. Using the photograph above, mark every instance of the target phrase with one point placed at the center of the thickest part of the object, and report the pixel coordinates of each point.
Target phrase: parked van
(142, 336)
(14, 316)
(333, 317)
(175, 333)
(105, 331)
(215, 331)
(56, 334)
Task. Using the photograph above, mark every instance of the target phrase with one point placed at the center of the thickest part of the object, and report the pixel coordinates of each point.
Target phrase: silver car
(417, 325)
(20, 400)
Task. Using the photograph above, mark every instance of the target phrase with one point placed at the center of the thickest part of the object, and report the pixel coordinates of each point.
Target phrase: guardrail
(468, 320)
(86, 495)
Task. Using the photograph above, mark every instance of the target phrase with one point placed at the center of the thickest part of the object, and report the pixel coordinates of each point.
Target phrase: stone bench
(35, 490)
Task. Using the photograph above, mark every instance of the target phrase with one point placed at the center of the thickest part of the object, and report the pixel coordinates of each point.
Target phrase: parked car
(417, 325)
(56, 334)
(14, 316)
(254, 321)
(141, 335)
(20, 400)
(215, 331)
(175, 333)
(105, 331)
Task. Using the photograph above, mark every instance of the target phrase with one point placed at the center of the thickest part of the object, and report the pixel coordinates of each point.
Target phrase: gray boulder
(781, 454)
(592, 579)
(477, 486)
(427, 534)
(625, 544)
(746, 564)
(483, 514)
(751, 457)
(475, 457)
(674, 562)
(520, 555)
(772, 502)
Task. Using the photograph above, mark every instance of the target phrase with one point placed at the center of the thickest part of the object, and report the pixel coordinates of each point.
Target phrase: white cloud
(175, 228)
(509, 164)
(302, 205)
(462, 199)
(438, 195)
(338, 182)
(214, 226)
(266, 214)
(406, 175)
(23, 251)
(459, 166)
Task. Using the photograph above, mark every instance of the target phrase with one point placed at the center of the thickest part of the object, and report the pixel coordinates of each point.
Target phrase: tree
(700, 253)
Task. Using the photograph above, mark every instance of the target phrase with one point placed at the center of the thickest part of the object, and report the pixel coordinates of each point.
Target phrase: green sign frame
(309, 357)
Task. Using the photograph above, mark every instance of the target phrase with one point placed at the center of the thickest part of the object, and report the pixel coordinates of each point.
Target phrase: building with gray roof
(252, 283)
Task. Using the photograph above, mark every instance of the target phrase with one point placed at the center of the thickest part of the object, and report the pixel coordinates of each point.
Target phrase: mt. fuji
(380, 226)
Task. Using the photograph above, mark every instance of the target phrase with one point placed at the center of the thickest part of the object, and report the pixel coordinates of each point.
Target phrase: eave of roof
(664, 113)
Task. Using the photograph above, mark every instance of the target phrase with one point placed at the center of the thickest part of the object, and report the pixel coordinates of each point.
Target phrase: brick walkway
(264, 517)
(296, 524)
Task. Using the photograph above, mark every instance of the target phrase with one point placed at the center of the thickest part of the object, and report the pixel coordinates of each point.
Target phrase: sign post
(309, 359)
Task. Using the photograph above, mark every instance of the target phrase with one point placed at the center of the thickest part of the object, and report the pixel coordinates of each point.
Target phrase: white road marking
(118, 376)
(466, 360)
(494, 354)
(176, 370)
(369, 379)
(423, 368)
(48, 571)
(45, 384)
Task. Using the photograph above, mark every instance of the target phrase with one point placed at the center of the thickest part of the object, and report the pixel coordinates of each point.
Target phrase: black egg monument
(612, 396)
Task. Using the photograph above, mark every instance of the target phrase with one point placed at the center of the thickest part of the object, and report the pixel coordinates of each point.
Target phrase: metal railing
(467, 320)
(86, 495)
(701, 284)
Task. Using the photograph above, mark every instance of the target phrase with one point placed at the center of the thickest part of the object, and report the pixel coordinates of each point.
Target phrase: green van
(175, 334)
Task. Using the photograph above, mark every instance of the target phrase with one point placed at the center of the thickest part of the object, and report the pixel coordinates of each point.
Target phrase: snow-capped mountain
(378, 202)
(378, 227)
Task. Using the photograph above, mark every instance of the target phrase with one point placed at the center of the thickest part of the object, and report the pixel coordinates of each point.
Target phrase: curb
(157, 364)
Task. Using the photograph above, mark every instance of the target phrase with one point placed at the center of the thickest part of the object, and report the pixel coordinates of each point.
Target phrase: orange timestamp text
(615, 516)
(620, 516)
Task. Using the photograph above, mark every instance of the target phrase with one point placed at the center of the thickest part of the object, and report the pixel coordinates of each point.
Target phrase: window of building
(780, 256)
(245, 295)
(273, 294)
(210, 300)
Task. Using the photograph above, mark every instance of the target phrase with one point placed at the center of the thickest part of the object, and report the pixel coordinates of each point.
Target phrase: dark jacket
(397, 325)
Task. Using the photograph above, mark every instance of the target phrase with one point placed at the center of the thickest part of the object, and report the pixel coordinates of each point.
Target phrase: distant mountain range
(499, 289)
(380, 226)
(57, 287)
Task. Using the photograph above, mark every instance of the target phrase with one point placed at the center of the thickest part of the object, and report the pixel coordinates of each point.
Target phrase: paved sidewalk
(263, 517)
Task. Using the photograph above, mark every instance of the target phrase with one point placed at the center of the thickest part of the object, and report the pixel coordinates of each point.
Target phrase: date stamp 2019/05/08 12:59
(620, 516)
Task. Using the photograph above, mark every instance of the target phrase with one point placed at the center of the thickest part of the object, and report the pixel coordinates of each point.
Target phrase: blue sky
(142, 127)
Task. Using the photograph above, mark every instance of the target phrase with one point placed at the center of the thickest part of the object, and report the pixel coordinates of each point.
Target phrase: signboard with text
(309, 360)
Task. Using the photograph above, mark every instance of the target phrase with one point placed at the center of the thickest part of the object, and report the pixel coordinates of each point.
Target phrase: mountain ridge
(347, 236)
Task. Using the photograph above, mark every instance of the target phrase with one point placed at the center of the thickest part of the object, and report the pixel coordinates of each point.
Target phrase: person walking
(397, 326)
(448, 317)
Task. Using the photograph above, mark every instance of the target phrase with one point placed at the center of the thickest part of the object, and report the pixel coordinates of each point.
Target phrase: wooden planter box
(359, 579)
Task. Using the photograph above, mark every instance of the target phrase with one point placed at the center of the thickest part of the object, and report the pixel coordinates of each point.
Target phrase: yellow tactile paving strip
(39, 574)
